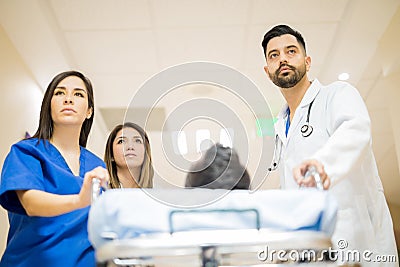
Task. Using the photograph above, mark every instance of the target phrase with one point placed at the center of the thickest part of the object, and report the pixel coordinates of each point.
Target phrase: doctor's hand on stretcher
(303, 179)
(45, 204)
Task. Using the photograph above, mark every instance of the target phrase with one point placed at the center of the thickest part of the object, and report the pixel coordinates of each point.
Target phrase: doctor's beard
(289, 79)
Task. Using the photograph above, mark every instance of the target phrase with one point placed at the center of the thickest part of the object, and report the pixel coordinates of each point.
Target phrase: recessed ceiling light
(343, 76)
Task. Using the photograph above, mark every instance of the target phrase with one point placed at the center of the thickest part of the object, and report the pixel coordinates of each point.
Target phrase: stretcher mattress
(126, 214)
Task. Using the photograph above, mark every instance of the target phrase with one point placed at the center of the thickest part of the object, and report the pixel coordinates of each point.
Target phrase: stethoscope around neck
(277, 155)
(306, 130)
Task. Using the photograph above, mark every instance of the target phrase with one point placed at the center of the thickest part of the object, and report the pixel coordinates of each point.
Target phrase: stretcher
(209, 228)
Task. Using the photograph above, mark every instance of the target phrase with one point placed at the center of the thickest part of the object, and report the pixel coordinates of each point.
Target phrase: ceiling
(120, 44)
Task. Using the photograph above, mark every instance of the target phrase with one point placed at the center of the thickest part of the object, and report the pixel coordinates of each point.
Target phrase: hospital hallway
(120, 45)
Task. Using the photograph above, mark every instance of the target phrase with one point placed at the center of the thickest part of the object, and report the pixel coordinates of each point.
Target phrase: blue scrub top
(44, 241)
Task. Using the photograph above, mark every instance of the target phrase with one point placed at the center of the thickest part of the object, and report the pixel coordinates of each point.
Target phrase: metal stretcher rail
(211, 248)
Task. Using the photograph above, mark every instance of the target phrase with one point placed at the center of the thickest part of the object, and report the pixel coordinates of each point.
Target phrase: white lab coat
(341, 141)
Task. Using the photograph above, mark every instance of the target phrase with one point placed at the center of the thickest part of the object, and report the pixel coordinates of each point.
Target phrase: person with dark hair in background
(128, 157)
(46, 181)
(218, 168)
(327, 127)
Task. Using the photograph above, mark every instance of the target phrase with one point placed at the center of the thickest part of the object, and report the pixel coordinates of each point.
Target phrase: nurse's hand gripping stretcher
(97, 188)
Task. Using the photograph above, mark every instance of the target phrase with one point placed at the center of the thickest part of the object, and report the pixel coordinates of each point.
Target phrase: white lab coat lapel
(280, 142)
(301, 112)
(280, 126)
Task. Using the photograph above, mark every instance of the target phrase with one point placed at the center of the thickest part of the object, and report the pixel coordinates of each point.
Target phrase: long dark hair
(146, 172)
(45, 128)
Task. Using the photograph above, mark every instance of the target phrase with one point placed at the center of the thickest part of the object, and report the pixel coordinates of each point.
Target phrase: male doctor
(328, 127)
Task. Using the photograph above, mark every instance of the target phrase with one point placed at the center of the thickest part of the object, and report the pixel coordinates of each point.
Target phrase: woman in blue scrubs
(46, 181)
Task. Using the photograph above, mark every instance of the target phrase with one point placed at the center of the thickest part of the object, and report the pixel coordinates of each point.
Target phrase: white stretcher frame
(156, 249)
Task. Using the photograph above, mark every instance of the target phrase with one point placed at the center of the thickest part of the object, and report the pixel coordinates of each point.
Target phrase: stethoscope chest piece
(306, 130)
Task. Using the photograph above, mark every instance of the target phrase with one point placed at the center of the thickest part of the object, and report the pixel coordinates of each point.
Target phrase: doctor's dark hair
(218, 168)
(146, 172)
(45, 128)
(280, 30)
